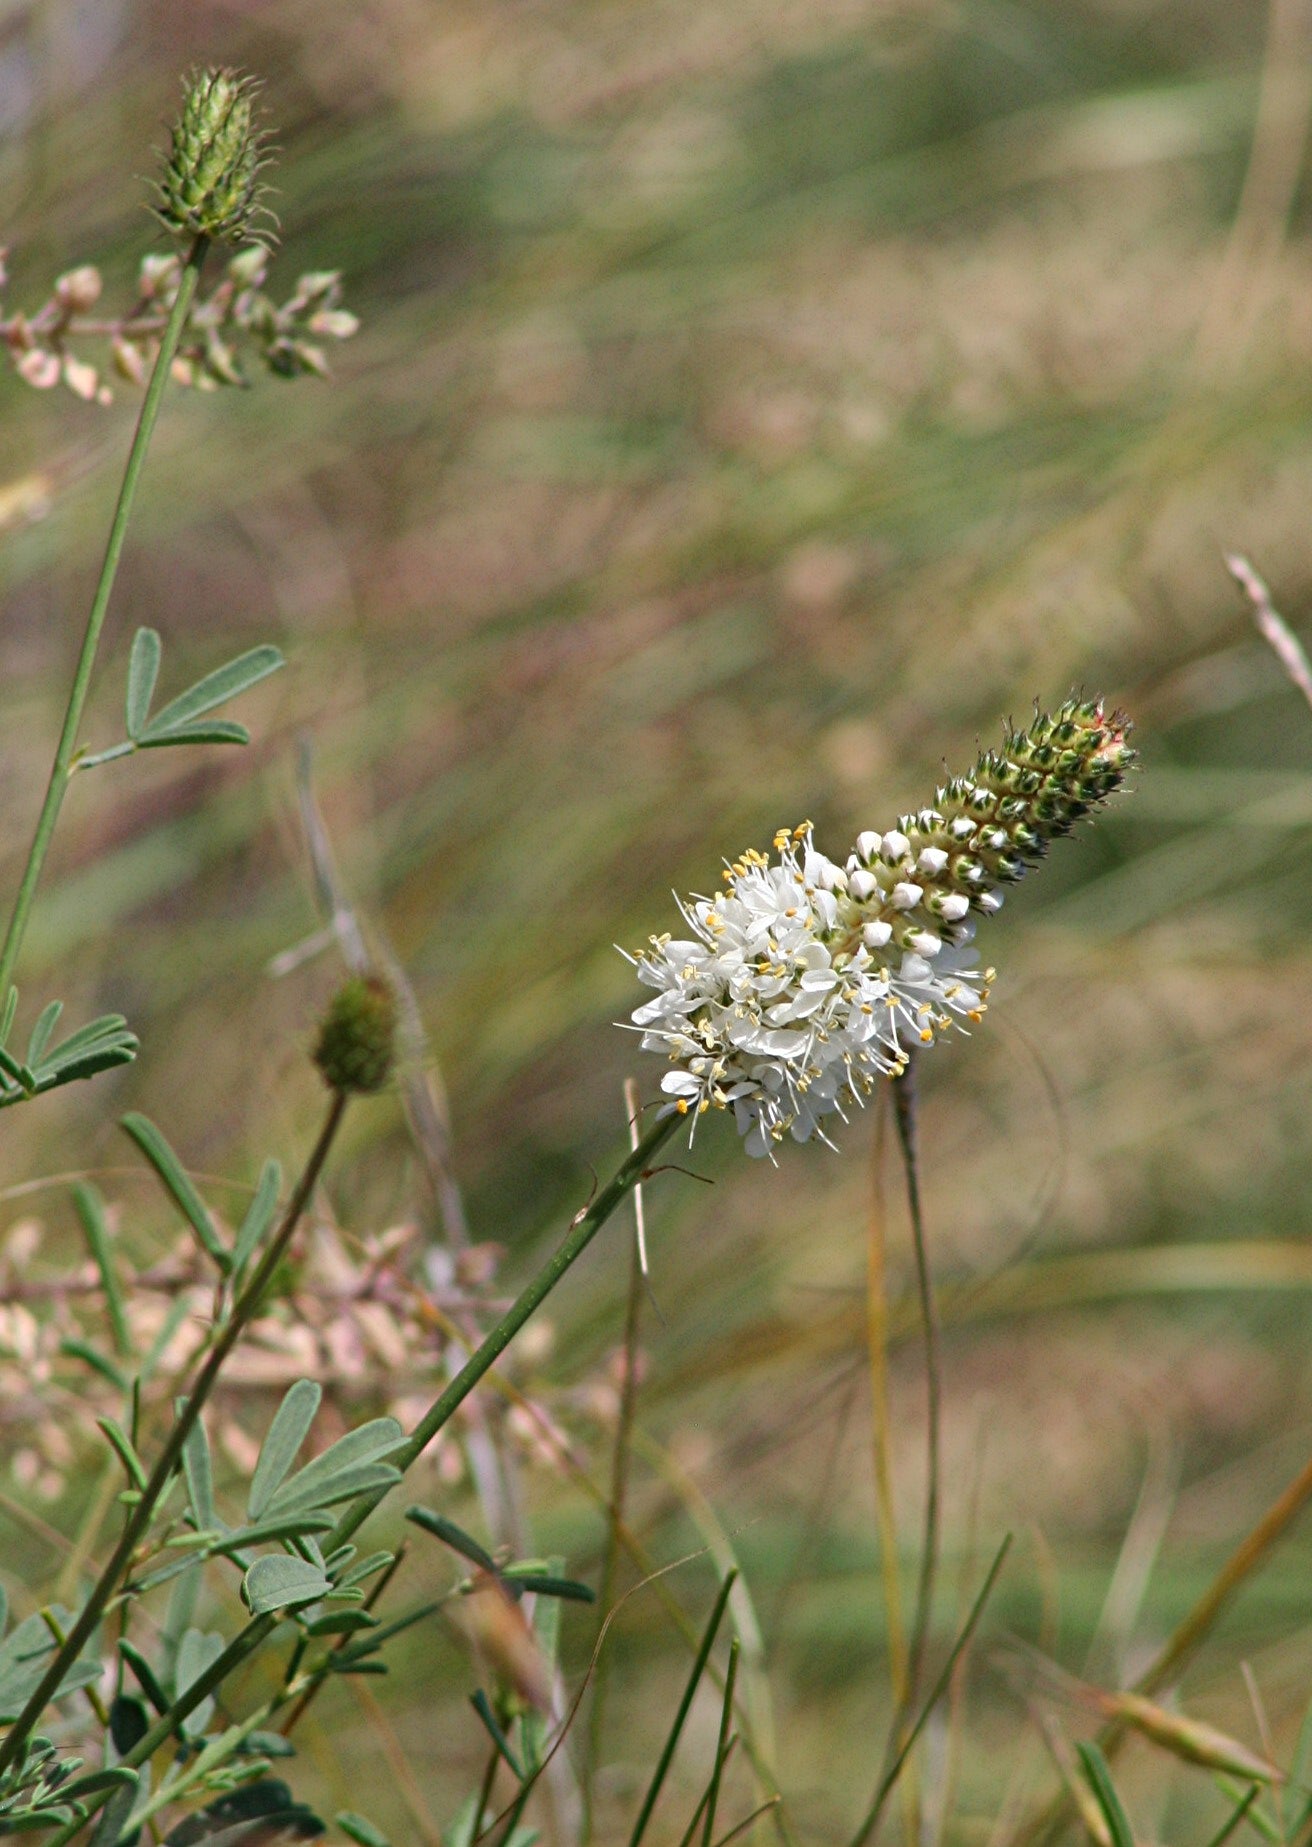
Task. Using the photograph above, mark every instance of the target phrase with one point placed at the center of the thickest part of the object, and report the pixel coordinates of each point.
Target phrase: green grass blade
(672, 1741)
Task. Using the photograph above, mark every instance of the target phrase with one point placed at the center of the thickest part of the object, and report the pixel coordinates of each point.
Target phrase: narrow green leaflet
(214, 690)
(289, 1429)
(212, 731)
(148, 1681)
(452, 1535)
(7, 1016)
(263, 1811)
(24, 1657)
(352, 1466)
(40, 1037)
(341, 1622)
(517, 1579)
(199, 1471)
(260, 1532)
(357, 1829)
(259, 1217)
(90, 1208)
(198, 1650)
(114, 1817)
(279, 1582)
(143, 671)
(177, 1184)
(492, 1725)
(121, 1444)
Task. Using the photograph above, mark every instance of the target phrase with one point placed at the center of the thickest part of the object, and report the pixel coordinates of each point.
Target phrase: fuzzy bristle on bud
(211, 186)
(357, 1036)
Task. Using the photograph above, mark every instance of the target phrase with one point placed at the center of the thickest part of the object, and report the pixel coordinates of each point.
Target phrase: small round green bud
(357, 1036)
(211, 185)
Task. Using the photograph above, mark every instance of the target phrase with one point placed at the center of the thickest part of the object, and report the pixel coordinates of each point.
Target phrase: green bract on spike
(211, 185)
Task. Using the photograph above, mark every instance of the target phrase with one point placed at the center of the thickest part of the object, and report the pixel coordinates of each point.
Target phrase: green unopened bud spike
(357, 1037)
(211, 185)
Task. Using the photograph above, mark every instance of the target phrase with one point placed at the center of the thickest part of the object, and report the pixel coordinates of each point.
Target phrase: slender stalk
(619, 1478)
(62, 768)
(666, 1757)
(877, 1348)
(913, 1660)
(140, 1517)
(894, 1770)
(585, 1228)
(722, 1744)
(904, 1104)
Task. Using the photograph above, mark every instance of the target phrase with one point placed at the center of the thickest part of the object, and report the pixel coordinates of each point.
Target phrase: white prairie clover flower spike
(804, 981)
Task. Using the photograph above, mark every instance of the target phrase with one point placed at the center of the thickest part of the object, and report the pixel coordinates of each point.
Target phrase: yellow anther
(682, 1106)
(927, 1037)
(703, 1106)
(866, 1007)
(976, 1014)
(926, 1006)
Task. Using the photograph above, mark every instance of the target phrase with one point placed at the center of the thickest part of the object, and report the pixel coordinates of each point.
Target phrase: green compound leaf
(178, 1185)
(289, 1429)
(352, 1466)
(143, 671)
(214, 690)
(279, 1583)
(92, 1048)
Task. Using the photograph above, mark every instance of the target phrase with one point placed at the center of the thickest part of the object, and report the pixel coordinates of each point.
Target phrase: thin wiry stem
(62, 769)
(877, 1351)
(899, 1740)
(888, 1780)
(619, 1479)
(904, 1103)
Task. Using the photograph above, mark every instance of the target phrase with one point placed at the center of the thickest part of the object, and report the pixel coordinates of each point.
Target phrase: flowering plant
(805, 980)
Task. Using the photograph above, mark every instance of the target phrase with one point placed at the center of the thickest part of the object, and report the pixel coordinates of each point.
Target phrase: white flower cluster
(792, 995)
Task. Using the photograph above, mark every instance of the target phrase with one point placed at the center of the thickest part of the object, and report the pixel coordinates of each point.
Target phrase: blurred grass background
(753, 403)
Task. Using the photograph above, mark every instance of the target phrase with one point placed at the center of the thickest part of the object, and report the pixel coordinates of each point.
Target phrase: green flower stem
(583, 1231)
(62, 769)
(135, 1526)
